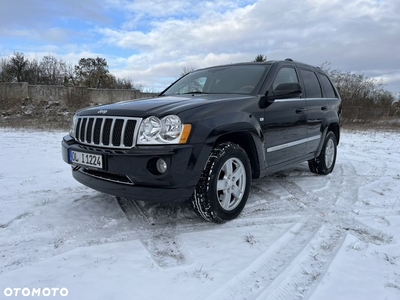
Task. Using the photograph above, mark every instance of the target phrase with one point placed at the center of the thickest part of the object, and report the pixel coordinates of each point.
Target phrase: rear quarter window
(329, 92)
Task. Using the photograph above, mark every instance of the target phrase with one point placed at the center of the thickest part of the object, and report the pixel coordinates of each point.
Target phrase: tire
(325, 162)
(224, 185)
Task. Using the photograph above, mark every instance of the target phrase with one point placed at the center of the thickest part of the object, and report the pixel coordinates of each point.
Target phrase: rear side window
(311, 84)
(329, 92)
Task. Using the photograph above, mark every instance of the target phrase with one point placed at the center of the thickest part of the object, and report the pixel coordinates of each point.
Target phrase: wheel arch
(335, 128)
(246, 141)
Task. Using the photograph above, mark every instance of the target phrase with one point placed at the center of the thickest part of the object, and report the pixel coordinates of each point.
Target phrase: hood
(159, 106)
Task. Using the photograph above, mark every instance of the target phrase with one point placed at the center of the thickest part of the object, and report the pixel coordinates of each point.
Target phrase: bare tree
(356, 89)
(52, 70)
(124, 83)
(363, 98)
(5, 70)
(32, 72)
(69, 75)
(187, 69)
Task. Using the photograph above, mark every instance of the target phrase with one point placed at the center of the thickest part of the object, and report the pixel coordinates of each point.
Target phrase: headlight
(168, 130)
(150, 128)
(73, 126)
(171, 129)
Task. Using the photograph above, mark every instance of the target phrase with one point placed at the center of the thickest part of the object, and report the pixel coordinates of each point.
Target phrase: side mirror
(286, 90)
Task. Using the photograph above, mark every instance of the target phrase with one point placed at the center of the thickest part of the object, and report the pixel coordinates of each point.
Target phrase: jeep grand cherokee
(208, 135)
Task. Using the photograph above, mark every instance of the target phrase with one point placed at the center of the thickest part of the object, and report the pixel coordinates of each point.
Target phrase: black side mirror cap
(286, 90)
(264, 102)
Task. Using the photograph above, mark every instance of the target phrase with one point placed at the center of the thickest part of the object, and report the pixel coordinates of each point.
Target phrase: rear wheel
(325, 162)
(224, 185)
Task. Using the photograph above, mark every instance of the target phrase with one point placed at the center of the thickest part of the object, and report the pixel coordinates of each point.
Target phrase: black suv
(208, 135)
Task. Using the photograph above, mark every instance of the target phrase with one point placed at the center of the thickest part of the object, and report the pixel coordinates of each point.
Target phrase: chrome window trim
(291, 144)
(307, 99)
(290, 100)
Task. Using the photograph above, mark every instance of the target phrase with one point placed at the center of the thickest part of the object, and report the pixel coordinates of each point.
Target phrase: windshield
(235, 79)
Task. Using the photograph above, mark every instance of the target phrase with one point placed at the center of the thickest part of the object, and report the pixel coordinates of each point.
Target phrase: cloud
(152, 40)
(349, 34)
(37, 13)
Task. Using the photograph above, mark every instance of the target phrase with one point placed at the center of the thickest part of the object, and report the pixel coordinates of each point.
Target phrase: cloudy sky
(151, 41)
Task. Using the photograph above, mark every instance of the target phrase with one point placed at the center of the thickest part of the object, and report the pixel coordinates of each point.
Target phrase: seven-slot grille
(108, 132)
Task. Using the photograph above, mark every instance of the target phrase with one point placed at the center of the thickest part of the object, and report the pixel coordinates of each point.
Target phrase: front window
(236, 79)
(285, 75)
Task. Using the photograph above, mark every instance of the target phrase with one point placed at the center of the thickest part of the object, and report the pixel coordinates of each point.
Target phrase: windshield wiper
(194, 92)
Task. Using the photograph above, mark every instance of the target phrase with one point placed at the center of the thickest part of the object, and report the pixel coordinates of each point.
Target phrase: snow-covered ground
(301, 236)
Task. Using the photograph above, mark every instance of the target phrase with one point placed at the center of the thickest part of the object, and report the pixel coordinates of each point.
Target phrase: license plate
(86, 159)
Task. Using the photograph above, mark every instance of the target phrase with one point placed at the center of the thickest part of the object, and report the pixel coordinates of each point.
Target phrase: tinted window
(235, 79)
(194, 86)
(285, 75)
(311, 84)
(329, 92)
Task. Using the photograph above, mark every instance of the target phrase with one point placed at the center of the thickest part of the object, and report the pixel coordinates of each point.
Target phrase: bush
(363, 98)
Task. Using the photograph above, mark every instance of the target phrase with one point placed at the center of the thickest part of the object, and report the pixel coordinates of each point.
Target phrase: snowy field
(301, 236)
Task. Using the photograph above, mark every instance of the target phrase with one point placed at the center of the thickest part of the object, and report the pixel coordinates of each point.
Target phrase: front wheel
(325, 162)
(224, 185)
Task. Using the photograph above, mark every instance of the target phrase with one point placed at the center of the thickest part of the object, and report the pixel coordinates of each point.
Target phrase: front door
(285, 126)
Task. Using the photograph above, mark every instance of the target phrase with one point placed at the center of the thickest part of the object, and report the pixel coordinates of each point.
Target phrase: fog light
(161, 165)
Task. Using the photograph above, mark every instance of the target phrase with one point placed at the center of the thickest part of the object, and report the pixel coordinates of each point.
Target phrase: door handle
(300, 111)
(324, 107)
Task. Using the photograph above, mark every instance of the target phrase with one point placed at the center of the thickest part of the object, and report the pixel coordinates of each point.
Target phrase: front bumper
(126, 173)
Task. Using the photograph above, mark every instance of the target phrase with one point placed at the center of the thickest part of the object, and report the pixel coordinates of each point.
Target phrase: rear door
(317, 108)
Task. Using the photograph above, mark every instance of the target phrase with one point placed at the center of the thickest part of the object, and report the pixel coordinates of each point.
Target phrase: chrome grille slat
(103, 121)
(78, 127)
(82, 130)
(92, 129)
(85, 132)
(110, 142)
(107, 132)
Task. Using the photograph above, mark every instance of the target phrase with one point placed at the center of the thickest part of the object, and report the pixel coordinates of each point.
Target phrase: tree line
(89, 72)
(355, 89)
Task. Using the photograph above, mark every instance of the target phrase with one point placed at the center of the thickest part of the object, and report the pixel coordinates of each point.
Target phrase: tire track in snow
(296, 200)
(163, 245)
(21, 216)
(331, 212)
(347, 198)
(274, 274)
(339, 221)
(273, 268)
(265, 269)
(393, 288)
(298, 283)
(305, 271)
